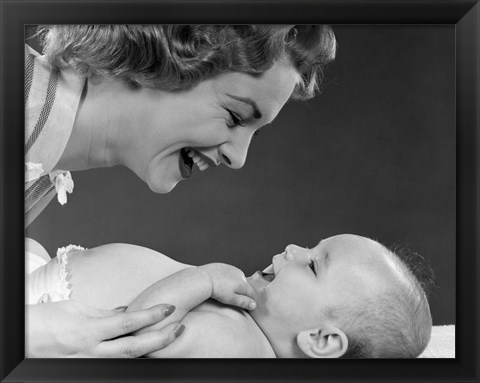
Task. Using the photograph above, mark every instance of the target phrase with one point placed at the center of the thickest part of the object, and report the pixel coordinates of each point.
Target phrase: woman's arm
(69, 329)
(103, 278)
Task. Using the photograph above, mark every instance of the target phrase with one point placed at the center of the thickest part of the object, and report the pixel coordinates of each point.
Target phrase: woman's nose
(234, 152)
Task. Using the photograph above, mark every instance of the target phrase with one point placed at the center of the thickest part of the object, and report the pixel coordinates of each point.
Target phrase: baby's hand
(230, 286)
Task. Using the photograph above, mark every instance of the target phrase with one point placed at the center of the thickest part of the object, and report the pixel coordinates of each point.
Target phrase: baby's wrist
(204, 270)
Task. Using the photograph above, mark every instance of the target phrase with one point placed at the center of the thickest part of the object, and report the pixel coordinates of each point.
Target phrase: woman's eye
(312, 266)
(235, 120)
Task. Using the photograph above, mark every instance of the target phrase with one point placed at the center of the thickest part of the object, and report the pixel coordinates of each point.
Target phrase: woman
(156, 99)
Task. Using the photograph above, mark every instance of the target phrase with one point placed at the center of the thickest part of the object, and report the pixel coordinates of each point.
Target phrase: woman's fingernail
(120, 308)
(252, 305)
(179, 330)
(168, 310)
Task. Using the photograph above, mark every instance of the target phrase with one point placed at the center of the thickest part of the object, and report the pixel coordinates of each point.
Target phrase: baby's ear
(327, 342)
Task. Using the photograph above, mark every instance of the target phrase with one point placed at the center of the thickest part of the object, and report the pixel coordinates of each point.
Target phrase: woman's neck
(95, 140)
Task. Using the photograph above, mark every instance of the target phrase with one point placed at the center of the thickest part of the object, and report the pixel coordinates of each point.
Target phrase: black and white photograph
(240, 191)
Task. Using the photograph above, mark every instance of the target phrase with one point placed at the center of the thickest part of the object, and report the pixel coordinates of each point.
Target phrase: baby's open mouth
(267, 276)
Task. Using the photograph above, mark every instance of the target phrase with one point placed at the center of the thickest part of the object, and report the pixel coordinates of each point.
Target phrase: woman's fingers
(138, 345)
(126, 322)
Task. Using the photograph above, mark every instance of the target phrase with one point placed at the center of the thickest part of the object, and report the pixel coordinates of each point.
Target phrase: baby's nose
(296, 253)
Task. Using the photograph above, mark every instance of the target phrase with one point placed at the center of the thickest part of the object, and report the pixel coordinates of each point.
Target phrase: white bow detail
(63, 184)
(33, 171)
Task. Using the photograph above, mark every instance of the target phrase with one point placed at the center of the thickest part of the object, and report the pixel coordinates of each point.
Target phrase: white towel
(442, 343)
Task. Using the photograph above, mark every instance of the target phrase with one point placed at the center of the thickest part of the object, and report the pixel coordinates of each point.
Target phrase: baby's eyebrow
(326, 259)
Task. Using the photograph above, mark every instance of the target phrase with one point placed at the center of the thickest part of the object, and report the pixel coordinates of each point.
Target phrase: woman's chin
(162, 187)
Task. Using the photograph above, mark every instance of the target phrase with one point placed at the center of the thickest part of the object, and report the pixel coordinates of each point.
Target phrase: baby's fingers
(246, 289)
(244, 302)
(245, 296)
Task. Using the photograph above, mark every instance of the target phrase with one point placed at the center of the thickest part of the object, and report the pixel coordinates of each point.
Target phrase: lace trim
(64, 287)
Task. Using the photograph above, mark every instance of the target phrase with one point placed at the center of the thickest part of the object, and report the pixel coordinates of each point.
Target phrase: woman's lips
(186, 161)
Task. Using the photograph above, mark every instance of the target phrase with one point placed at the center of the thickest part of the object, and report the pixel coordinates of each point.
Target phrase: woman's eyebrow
(256, 111)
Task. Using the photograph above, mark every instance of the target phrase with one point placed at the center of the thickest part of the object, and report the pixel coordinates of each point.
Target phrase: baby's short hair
(395, 323)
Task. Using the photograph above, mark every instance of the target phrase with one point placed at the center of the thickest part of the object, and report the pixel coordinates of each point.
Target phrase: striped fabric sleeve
(29, 67)
(47, 106)
(52, 99)
(40, 188)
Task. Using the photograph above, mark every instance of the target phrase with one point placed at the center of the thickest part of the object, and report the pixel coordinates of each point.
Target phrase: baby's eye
(312, 266)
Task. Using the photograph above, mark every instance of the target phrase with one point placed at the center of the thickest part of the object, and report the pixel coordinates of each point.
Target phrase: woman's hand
(230, 286)
(71, 329)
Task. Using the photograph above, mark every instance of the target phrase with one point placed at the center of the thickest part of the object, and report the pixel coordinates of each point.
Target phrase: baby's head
(348, 297)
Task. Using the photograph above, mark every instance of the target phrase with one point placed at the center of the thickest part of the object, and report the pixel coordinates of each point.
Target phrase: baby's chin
(251, 280)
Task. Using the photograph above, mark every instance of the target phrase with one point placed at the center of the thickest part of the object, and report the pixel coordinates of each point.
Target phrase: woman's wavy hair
(177, 57)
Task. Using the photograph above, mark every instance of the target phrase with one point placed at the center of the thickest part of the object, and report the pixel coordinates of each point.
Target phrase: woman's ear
(329, 342)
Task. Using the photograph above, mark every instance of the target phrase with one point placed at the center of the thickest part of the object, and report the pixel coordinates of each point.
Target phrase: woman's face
(209, 125)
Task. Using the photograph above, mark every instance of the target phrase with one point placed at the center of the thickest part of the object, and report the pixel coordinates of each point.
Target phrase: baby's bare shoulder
(212, 331)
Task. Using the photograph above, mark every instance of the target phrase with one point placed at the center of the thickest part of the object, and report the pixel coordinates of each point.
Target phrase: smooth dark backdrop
(373, 155)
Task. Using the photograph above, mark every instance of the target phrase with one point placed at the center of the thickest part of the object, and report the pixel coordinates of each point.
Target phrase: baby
(348, 297)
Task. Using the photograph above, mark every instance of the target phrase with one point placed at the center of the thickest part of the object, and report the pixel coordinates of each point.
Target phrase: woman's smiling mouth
(189, 157)
(185, 163)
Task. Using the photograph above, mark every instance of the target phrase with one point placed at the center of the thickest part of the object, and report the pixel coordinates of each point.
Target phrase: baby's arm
(190, 287)
(184, 289)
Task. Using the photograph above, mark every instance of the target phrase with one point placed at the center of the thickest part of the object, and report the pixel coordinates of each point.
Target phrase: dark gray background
(373, 155)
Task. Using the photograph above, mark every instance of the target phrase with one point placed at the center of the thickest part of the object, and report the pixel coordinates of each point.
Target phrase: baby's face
(341, 270)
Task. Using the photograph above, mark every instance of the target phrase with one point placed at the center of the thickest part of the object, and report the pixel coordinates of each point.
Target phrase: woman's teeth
(201, 164)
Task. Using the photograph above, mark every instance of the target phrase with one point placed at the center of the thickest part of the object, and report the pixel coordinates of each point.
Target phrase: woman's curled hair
(177, 57)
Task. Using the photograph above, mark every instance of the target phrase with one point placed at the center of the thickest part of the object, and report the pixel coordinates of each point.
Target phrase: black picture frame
(465, 14)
